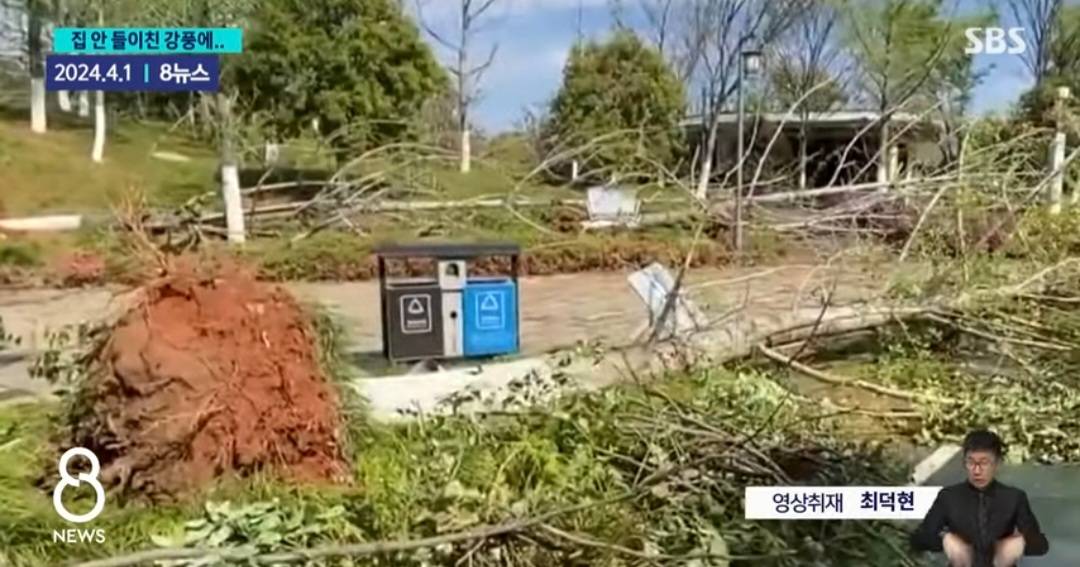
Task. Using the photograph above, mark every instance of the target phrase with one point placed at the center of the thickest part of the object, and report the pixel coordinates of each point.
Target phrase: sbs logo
(90, 478)
(995, 41)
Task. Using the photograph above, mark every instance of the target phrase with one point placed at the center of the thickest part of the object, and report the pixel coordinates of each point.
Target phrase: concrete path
(556, 311)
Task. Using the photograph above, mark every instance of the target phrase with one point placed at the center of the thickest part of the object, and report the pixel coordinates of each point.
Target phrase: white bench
(611, 205)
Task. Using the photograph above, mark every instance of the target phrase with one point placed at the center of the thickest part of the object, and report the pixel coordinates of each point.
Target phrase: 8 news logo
(72, 535)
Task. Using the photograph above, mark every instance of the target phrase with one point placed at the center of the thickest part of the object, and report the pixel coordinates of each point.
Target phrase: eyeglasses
(979, 465)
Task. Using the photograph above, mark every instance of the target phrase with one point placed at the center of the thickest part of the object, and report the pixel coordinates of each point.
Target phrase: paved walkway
(556, 311)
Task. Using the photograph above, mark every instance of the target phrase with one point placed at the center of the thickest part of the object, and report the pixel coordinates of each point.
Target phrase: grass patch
(52, 172)
(20, 254)
(493, 180)
(336, 255)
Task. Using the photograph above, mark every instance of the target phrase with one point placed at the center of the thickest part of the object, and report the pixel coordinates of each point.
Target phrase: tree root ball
(209, 377)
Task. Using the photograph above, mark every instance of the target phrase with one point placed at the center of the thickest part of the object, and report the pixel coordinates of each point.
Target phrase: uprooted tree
(210, 374)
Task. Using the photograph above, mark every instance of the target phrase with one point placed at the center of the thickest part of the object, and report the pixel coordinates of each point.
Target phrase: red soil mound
(209, 378)
(78, 268)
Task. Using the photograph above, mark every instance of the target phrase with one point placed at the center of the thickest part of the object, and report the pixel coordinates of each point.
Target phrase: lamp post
(750, 63)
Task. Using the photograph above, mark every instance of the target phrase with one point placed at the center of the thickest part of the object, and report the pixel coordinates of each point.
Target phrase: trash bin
(491, 317)
(430, 318)
(413, 320)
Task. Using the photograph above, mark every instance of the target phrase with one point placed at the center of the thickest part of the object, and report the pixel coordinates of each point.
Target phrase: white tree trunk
(37, 105)
(64, 99)
(84, 104)
(230, 173)
(271, 153)
(1057, 182)
(702, 191)
(99, 127)
(234, 207)
(466, 150)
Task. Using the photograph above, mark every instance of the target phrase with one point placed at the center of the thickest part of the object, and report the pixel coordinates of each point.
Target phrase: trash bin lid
(447, 250)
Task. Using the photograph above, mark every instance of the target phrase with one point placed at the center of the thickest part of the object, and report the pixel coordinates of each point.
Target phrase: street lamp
(751, 62)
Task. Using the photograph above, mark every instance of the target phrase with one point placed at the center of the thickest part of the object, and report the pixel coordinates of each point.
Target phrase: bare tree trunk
(84, 104)
(466, 149)
(1055, 189)
(203, 119)
(63, 98)
(702, 191)
(140, 105)
(98, 151)
(463, 88)
(230, 174)
(740, 136)
(1057, 153)
(468, 77)
(38, 123)
(37, 70)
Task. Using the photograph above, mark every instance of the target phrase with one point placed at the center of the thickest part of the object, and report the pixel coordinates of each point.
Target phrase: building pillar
(884, 157)
(894, 163)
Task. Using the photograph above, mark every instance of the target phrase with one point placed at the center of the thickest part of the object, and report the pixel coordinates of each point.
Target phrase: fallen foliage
(631, 475)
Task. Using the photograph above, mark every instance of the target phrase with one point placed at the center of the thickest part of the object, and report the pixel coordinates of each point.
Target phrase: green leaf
(166, 541)
(219, 536)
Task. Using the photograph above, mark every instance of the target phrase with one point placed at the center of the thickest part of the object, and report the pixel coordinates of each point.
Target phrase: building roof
(830, 118)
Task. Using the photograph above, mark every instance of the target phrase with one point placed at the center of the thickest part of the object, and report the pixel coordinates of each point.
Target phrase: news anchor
(981, 522)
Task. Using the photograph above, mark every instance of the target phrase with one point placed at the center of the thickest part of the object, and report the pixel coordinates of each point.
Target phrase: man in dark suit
(981, 522)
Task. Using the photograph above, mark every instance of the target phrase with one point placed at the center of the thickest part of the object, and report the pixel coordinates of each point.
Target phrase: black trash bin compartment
(413, 316)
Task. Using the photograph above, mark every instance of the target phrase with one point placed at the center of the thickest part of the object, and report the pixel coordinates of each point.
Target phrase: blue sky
(534, 37)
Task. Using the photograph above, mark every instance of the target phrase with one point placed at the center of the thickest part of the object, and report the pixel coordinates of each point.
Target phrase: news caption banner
(120, 41)
(139, 59)
(119, 73)
(839, 502)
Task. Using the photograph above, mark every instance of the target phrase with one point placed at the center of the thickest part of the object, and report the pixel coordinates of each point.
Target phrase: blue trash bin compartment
(491, 317)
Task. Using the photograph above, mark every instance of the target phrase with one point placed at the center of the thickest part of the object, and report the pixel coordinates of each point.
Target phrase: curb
(18, 355)
(933, 463)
